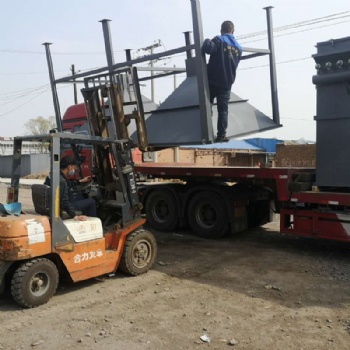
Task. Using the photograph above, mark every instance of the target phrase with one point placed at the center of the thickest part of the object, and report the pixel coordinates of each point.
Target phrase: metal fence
(31, 164)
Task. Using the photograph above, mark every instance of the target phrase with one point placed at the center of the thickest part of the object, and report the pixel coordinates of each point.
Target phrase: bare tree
(39, 126)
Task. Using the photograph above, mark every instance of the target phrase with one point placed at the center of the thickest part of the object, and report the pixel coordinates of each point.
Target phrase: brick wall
(208, 157)
(295, 156)
(246, 159)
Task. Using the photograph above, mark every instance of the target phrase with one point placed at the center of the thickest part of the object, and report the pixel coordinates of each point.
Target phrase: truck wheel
(34, 282)
(139, 254)
(161, 210)
(207, 215)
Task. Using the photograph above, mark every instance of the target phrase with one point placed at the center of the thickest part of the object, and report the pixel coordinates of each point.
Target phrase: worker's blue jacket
(225, 53)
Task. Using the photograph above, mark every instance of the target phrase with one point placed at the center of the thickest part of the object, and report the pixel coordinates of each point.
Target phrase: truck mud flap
(4, 266)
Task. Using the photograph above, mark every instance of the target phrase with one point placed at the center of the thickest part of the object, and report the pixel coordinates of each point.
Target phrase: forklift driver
(86, 205)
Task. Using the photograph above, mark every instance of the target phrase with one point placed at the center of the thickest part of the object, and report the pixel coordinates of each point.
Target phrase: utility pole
(74, 85)
(152, 73)
(150, 49)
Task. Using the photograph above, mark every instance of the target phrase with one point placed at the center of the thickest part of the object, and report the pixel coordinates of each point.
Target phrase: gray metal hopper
(176, 121)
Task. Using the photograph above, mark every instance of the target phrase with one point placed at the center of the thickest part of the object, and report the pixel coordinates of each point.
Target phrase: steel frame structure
(205, 120)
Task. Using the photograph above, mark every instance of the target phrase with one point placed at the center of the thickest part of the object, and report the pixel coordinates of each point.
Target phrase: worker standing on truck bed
(225, 53)
(86, 205)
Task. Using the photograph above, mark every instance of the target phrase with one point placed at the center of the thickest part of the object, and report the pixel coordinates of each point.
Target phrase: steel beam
(247, 57)
(127, 63)
(273, 75)
(250, 49)
(53, 87)
(128, 54)
(161, 75)
(202, 77)
(188, 42)
(161, 69)
(108, 47)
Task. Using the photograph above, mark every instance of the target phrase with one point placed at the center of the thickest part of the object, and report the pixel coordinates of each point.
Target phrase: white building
(6, 147)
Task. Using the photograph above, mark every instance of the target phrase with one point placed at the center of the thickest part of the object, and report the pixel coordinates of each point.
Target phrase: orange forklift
(37, 249)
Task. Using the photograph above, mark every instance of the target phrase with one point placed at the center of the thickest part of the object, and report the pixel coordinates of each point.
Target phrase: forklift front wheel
(139, 253)
(34, 282)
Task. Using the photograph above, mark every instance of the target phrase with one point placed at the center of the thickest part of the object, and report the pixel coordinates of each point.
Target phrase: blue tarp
(254, 144)
(232, 144)
(269, 145)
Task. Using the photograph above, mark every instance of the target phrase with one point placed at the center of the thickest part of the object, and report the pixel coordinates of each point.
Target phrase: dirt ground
(255, 290)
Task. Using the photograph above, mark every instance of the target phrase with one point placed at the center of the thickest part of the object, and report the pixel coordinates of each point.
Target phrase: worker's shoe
(222, 139)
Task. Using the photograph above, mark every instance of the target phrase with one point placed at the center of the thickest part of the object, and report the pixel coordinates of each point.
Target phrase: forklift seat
(40, 197)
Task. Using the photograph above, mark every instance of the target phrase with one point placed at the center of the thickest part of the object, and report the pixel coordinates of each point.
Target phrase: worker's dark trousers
(86, 205)
(222, 99)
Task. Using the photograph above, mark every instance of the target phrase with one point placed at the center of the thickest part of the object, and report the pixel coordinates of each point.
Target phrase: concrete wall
(31, 164)
(295, 156)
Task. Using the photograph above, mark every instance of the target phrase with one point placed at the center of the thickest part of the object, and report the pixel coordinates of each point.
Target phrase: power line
(34, 91)
(35, 96)
(314, 21)
(22, 73)
(298, 31)
(24, 90)
(14, 109)
(340, 15)
(267, 65)
(18, 96)
(22, 93)
(11, 98)
(299, 119)
(296, 25)
(57, 53)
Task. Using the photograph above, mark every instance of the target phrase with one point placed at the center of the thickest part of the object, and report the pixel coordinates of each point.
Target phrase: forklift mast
(106, 118)
(105, 97)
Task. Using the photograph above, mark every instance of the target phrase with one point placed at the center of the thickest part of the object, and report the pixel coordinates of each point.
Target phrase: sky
(76, 35)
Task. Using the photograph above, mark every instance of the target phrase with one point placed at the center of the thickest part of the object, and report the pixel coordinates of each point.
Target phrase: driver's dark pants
(86, 205)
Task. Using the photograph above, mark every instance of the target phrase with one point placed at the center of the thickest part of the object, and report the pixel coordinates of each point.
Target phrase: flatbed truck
(207, 200)
(218, 200)
(311, 202)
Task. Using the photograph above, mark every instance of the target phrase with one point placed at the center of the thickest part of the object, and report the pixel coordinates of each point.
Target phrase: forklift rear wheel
(139, 253)
(34, 282)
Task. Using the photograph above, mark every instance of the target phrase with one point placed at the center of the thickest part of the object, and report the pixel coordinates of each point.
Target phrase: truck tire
(207, 215)
(139, 254)
(161, 210)
(34, 282)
